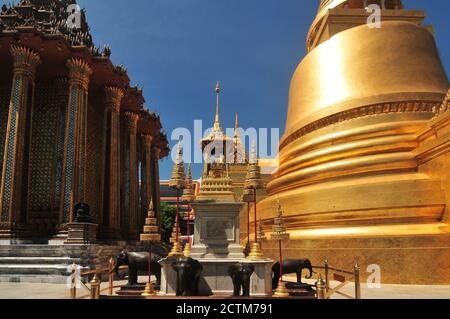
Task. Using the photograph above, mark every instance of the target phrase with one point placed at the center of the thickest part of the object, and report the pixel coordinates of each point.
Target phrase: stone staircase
(43, 263)
(52, 264)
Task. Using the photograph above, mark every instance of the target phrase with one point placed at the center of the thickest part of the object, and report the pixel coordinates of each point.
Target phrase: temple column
(74, 167)
(113, 100)
(155, 182)
(25, 63)
(146, 185)
(130, 122)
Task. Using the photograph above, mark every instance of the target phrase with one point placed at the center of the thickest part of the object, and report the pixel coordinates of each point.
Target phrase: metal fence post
(111, 276)
(73, 282)
(327, 282)
(321, 288)
(95, 287)
(357, 281)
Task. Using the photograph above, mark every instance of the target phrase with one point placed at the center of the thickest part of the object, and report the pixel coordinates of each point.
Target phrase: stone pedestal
(81, 233)
(216, 246)
(215, 279)
(216, 230)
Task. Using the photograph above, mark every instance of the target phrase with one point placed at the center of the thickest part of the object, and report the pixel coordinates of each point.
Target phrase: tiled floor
(55, 291)
(391, 291)
(399, 292)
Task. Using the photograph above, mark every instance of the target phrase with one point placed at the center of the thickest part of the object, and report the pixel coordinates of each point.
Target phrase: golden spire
(217, 121)
(240, 156)
(253, 179)
(279, 231)
(247, 193)
(188, 193)
(178, 180)
(237, 136)
(261, 234)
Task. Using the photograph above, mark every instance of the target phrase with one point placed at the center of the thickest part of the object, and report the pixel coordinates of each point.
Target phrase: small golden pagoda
(279, 231)
(178, 182)
(279, 234)
(253, 182)
(189, 191)
(151, 234)
(188, 197)
(261, 233)
(173, 236)
(178, 179)
(151, 229)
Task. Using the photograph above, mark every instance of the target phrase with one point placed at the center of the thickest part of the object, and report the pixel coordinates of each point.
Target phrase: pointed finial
(236, 123)
(150, 206)
(177, 180)
(217, 120)
(179, 158)
(218, 87)
(279, 209)
(254, 154)
(189, 194)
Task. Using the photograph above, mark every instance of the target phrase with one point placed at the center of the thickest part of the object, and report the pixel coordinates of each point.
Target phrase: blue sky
(178, 49)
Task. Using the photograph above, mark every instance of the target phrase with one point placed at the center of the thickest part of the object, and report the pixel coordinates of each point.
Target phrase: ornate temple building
(365, 160)
(72, 129)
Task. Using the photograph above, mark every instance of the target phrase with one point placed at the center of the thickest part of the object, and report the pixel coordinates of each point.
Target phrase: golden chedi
(280, 234)
(178, 179)
(189, 191)
(151, 229)
(151, 234)
(364, 161)
(253, 182)
(188, 197)
(178, 182)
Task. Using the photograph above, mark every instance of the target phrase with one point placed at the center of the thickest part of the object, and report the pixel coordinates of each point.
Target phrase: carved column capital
(25, 60)
(130, 121)
(156, 151)
(445, 104)
(113, 97)
(79, 72)
(147, 140)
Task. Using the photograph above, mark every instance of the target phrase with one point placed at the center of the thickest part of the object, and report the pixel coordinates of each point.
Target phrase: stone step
(39, 260)
(43, 251)
(38, 279)
(51, 264)
(34, 269)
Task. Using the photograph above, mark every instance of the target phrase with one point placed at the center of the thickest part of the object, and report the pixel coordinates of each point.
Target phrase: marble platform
(215, 279)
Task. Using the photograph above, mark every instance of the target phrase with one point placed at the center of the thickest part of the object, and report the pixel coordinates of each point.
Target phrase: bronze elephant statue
(188, 276)
(138, 262)
(291, 266)
(241, 274)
